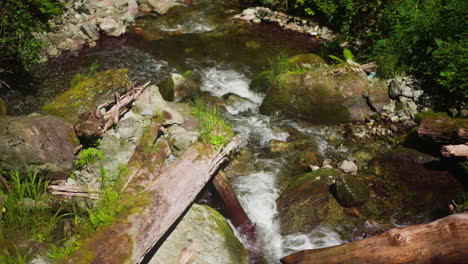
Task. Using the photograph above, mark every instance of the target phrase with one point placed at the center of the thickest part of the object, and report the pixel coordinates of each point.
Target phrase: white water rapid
(259, 191)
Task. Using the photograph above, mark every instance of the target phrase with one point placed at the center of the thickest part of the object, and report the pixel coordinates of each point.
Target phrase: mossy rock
(327, 95)
(305, 61)
(429, 114)
(351, 192)
(261, 83)
(307, 203)
(87, 93)
(209, 230)
(3, 109)
(378, 95)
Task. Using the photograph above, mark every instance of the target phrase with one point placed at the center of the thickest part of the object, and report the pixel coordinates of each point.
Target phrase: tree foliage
(18, 20)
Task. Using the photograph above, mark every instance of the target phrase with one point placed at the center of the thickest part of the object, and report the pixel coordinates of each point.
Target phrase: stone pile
(297, 24)
(84, 21)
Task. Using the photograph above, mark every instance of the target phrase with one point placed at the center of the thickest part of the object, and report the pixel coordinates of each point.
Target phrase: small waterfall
(259, 191)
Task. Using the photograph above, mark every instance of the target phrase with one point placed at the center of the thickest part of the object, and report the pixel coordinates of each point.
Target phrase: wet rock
(180, 86)
(43, 143)
(307, 203)
(87, 93)
(207, 230)
(347, 166)
(261, 83)
(351, 192)
(332, 94)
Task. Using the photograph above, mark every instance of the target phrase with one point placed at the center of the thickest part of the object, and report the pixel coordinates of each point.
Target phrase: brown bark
(441, 241)
(444, 129)
(155, 207)
(237, 214)
(455, 150)
(73, 191)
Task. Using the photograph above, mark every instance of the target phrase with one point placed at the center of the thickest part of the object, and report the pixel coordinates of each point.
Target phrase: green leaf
(348, 54)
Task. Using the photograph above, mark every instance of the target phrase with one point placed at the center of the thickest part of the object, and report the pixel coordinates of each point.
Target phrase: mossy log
(444, 129)
(157, 203)
(441, 241)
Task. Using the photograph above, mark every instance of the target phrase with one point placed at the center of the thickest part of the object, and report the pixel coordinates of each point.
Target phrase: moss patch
(87, 94)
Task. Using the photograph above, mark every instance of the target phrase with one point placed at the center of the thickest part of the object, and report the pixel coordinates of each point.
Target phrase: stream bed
(226, 56)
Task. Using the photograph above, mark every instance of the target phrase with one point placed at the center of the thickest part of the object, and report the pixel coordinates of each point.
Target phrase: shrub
(18, 20)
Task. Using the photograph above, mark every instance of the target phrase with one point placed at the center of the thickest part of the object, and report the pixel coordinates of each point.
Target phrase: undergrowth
(212, 127)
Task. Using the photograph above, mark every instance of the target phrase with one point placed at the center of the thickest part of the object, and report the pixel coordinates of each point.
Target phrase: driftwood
(237, 214)
(444, 130)
(73, 191)
(455, 150)
(155, 209)
(95, 123)
(442, 241)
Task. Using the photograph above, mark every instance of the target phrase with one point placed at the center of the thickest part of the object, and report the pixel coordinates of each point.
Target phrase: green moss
(167, 89)
(235, 248)
(309, 61)
(429, 114)
(86, 94)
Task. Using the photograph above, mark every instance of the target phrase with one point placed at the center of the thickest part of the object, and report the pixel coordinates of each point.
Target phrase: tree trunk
(155, 207)
(237, 214)
(441, 241)
(444, 129)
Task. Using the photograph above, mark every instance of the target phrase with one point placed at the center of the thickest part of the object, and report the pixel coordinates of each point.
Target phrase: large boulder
(350, 191)
(214, 240)
(87, 93)
(305, 61)
(331, 94)
(43, 143)
(307, 203)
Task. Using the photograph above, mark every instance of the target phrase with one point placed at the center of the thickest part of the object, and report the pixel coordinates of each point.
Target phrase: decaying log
(155, 209)
(187, 254)
(455, 150)
(94, 124)
(73, 191)
(441, 241)
(444, 129)
(237, 214)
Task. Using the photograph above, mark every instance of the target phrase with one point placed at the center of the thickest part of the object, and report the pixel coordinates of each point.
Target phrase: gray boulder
(43, 143)
(394, 89)
(162, 6)
(180, 139)
(209, 234)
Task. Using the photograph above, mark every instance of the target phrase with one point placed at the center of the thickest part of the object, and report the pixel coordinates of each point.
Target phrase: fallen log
(441, 241)
(154, 209)
(73, 191)
(455, 150)
(444, 129)
(237, 214)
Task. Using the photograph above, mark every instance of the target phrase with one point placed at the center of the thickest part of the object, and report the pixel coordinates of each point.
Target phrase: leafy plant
(88, 156)
(58, 253)
(347, 54)
(278, 66)
(213, 129)
(18, 20)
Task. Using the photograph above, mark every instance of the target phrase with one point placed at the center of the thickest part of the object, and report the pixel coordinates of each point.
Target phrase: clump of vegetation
(88, 156)
(25, 215)
(212, 127)
(278, 66)
(18, 20)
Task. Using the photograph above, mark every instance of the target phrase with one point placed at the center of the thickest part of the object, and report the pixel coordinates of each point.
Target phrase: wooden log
(237, 215)
(155, 208)
(73, 191)
(441, 241)
(455, 150)
(444, 129)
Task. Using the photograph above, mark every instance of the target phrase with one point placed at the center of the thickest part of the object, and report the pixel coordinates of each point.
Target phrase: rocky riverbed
(329, 153)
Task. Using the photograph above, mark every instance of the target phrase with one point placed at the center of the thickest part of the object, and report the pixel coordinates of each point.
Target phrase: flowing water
(226, 55)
